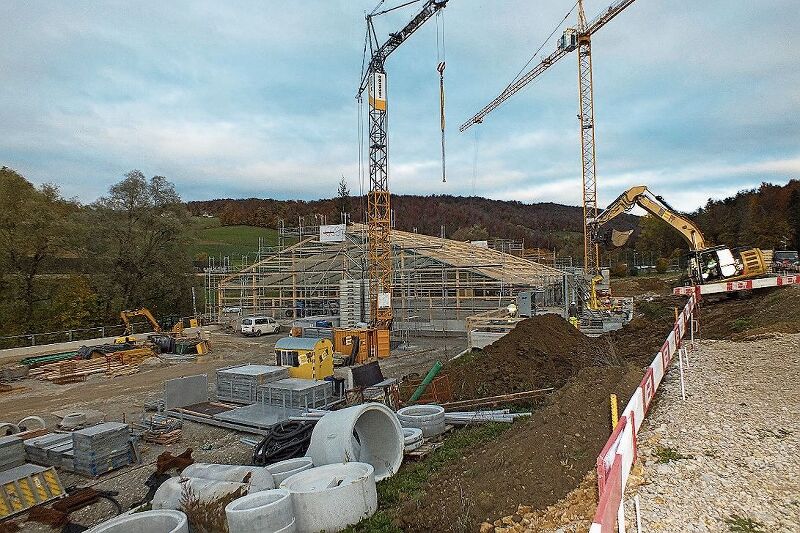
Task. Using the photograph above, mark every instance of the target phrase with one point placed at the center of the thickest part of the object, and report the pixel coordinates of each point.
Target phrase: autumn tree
(343, 197)
(138, 240)
(35, 228)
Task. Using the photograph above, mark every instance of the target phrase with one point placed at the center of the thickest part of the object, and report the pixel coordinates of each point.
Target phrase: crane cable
(440, 58)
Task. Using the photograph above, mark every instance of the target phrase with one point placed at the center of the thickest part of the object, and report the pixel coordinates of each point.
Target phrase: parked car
(259, 325)
(785, 261)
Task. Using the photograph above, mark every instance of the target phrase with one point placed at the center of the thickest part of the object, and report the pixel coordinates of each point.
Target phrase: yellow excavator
(707, 263)
(127, 315)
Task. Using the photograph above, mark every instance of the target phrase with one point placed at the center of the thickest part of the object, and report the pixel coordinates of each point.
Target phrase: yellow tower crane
(373, 80)
(580, 39)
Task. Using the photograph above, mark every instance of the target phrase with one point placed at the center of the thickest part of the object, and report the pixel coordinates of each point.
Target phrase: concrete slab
(187, 390)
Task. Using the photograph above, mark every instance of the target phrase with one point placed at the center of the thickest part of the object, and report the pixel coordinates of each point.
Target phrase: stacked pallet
(101, 448)
(12, 452)
(241, 384)
(76, 370)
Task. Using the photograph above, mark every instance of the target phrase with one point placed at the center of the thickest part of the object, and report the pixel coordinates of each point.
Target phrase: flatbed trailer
(741, 285)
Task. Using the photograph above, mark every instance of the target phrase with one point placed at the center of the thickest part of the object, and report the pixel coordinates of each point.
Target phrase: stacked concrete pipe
(367, 433)
(145, 522)
(429, 418)
(268, 511)
(331, 497)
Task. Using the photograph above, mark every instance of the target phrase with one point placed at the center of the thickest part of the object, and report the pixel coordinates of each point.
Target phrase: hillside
(545, 225)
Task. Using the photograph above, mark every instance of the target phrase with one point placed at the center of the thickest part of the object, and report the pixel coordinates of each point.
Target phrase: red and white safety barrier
(616, 459)
(743, 285)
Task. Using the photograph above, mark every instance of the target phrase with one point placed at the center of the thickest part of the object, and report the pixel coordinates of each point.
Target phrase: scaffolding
(437, 283)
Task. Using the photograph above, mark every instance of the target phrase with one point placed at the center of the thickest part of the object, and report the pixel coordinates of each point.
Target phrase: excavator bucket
(619, 238)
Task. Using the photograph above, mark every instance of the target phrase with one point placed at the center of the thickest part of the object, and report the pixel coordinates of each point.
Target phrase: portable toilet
(306, 358)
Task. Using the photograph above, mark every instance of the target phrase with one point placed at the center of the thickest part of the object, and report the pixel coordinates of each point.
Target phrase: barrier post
(680, 366)
(638, 514)
(614, 411)
(621, 514)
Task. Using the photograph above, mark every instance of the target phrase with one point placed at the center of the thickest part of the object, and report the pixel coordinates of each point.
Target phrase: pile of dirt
(639, 285)
(536, 462)
(760, 312)
(545, 351)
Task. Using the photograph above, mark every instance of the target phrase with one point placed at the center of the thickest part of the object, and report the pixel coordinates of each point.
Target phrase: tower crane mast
(379, 211)
(580, 39)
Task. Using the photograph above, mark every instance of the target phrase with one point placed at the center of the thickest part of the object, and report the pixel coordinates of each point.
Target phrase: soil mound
(543, 351)
(761, 312)
(536, 462)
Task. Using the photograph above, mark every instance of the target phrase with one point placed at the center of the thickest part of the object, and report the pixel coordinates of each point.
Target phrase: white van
(259, 325)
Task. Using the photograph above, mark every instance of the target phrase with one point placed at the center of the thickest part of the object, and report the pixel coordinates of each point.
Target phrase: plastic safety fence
(618, 455)
(734, 286)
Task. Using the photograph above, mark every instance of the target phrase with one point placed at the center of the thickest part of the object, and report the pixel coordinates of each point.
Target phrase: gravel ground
(732, 449)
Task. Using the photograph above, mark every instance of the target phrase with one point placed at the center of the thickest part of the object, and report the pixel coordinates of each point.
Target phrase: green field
(209, 237)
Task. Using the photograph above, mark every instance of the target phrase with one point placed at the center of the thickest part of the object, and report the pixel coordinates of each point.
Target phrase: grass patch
(743, 524)
(667, 455)
(654, 310)
(207, 236)
(741, 324)
(410, 481)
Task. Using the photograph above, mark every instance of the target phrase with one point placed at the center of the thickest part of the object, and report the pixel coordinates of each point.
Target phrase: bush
(619, 270)
(662, 264)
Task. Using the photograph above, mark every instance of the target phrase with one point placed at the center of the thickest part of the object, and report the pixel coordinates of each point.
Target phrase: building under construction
(437, 283)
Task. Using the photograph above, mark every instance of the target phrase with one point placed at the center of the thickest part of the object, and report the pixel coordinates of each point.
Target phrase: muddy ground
(123, 398)
(536, 462)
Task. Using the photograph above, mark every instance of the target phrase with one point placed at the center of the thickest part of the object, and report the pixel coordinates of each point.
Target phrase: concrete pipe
(4, 428)
(367, 433)
(429, 418)
(145, 522)
(283, 469)
(268, 511)
(39, 423)
(170, 493)
(411, 435)
(332, 497)
(260, 478)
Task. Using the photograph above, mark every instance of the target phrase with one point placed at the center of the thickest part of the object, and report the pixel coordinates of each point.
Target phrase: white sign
(377, 91)
(332, 233)
(384, 300)
(480, 244)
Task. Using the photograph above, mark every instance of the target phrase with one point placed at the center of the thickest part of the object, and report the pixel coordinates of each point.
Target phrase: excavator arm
(128, 314)
(654, 205)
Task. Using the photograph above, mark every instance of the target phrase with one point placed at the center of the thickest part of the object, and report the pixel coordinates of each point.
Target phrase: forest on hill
(66, 265)
(541, 225)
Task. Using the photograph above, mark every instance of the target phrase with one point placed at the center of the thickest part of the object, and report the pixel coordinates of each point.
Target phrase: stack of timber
(75, 370)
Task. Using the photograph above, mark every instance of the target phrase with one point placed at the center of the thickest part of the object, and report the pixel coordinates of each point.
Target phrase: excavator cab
(720, 263)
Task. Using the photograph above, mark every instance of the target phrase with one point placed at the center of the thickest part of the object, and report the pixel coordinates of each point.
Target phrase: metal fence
(54, 337)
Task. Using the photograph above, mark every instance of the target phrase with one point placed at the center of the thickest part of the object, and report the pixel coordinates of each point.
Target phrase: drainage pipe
(332, 497)
(367, 433)
(145, 522)
(437, 366)
(268, 511)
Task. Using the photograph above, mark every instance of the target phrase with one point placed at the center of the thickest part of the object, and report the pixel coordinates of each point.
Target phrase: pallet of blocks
(102, 448)
(12, 452)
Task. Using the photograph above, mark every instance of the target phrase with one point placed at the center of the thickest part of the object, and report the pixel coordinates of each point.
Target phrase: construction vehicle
(305, 357)
(127, 315)
(707, 263)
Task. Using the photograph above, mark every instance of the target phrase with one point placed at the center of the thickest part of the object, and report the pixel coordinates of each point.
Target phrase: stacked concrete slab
(48, 449)
(102, 448)
(12, 452)
(241, 384)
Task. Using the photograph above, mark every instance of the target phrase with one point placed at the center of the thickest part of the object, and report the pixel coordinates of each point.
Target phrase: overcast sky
(240, 99)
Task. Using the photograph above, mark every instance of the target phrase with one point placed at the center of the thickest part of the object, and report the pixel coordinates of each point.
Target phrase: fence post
(33, 339)
(102, 331)
(70, 335)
